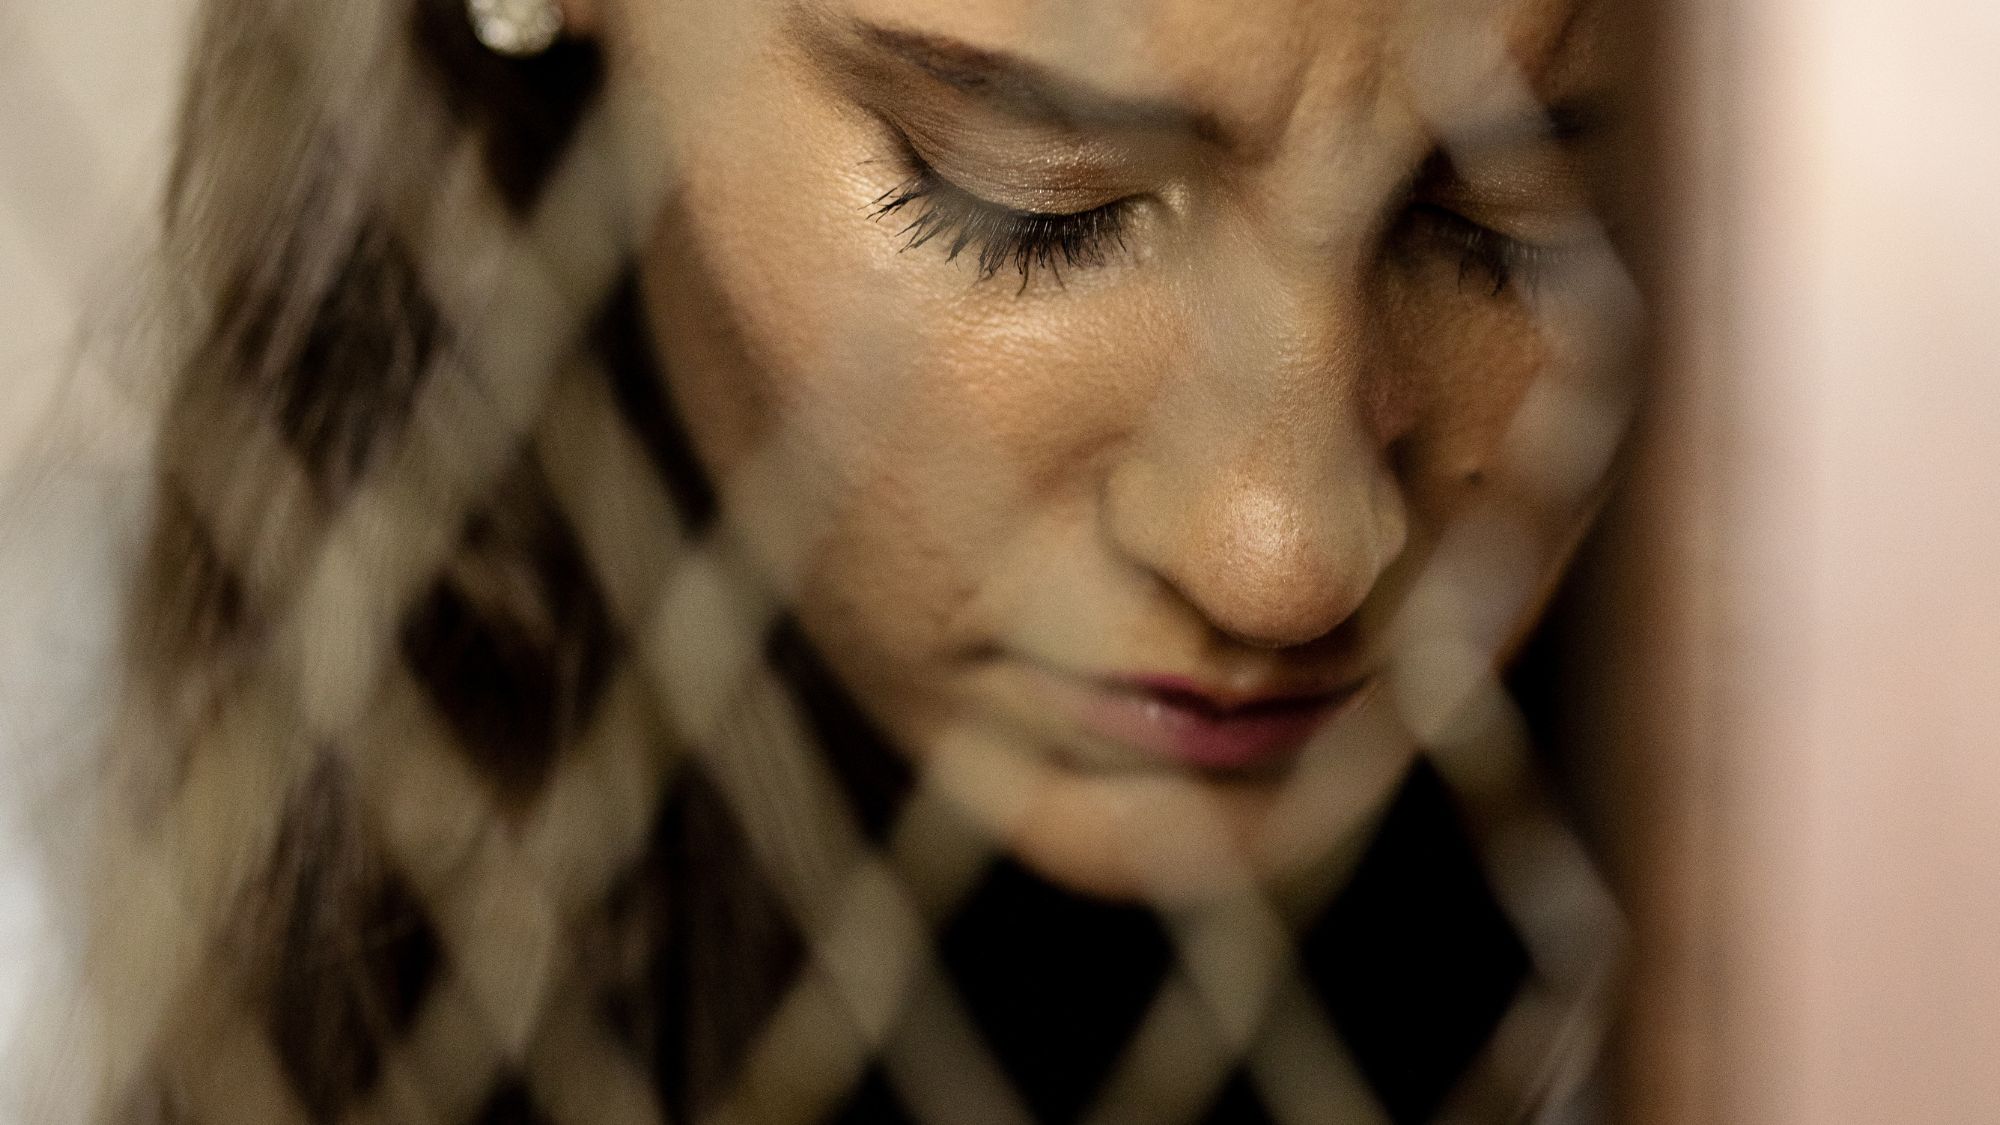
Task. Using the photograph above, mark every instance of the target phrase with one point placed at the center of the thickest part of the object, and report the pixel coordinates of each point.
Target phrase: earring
(516, 28)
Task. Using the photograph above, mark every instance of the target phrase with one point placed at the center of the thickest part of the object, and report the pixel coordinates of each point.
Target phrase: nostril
(1401, 456)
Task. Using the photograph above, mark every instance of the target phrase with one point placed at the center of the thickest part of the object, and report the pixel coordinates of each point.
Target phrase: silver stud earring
(517, 28)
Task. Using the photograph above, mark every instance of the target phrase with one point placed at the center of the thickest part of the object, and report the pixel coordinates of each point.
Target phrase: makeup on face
(1181, 722)
(1017, 166)
(987, 287)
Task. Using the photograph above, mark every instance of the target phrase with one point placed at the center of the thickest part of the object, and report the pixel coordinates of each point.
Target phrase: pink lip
(1174, 718)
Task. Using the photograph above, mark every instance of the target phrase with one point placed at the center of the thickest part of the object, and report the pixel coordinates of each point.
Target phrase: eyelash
(1509, 262)
(1046, 240)
(1027, 240)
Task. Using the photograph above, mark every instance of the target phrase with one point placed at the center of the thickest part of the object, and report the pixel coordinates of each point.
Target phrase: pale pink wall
(1837, 834)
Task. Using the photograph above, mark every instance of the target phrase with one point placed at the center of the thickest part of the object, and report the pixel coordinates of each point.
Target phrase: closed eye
(937, 211)
(1501, 260)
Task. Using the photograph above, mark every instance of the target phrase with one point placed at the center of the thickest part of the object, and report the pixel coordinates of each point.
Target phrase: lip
(1178, 720)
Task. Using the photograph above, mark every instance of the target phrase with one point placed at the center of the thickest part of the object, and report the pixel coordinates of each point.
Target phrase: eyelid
(1033, 241)
(925, 168)
(1539, 223)
(1040, 175)
(938, 186)
(1533, 202)
(1555, 228)
(1511, 262)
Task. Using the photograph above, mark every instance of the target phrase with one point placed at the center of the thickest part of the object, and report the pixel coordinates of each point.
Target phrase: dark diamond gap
(197, 604)
(876, 778)
(348, 388)
(526, 110)
(728, 950)
(513, 643)
(624, 343)
(1057, 983)
(1414, 960)
(511, 1103)
(350, 954)
(872, 1103)
(1237, 1104)
(633, 921)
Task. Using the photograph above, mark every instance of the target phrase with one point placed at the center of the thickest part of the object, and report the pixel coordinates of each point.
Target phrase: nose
(1256, 489)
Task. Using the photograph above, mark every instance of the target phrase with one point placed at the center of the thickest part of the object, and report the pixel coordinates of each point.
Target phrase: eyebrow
(1035, 90)
(1032, 89)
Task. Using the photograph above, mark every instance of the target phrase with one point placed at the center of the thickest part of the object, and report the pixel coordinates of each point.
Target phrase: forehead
(1260, 66)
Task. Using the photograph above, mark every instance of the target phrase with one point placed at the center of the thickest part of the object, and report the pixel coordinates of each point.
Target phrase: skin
(1225, 450)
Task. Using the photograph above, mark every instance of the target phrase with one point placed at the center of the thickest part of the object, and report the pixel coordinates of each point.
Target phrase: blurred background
(1790, 637)
(90, 92)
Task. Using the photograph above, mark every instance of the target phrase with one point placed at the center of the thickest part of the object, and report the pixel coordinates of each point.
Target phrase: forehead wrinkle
(1110, 65)
(1501, 74)
(1042, 90)
(1344, 73)
(1544, 35)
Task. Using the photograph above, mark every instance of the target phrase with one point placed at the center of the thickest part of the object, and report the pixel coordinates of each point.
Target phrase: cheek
(1475, 465)
(983, 478)
(1459, 375)
(888, 434)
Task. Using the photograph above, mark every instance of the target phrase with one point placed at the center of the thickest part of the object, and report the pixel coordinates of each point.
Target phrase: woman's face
(1097, 379)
